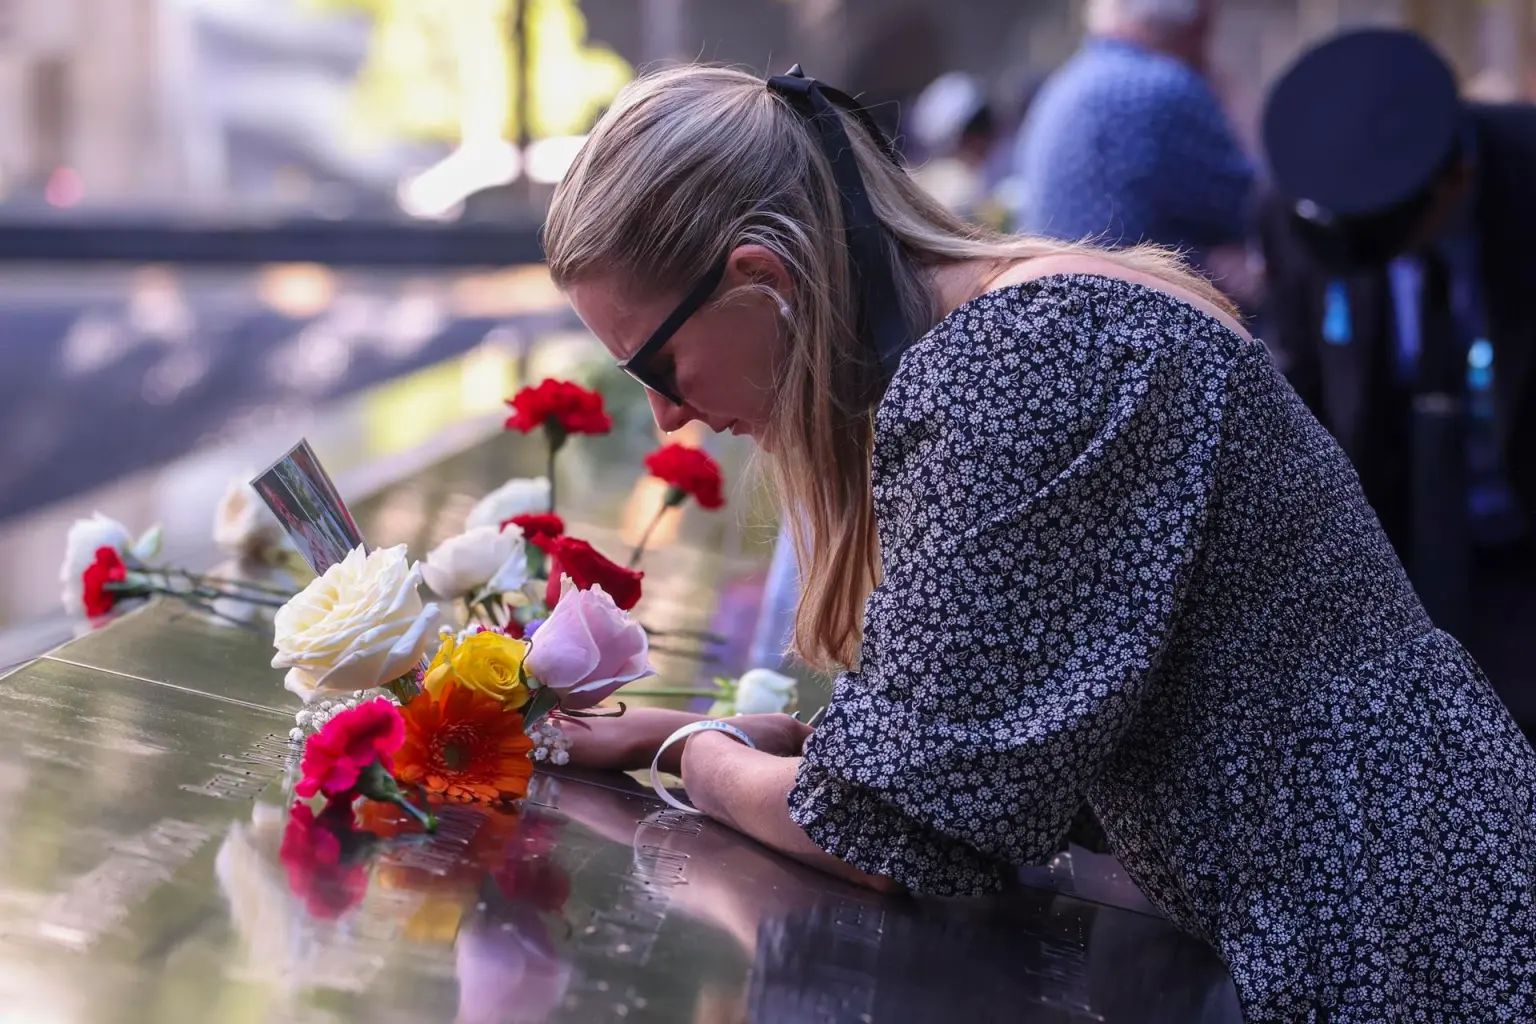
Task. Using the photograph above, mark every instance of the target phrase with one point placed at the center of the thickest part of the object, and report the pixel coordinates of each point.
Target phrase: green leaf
(148, 545)
(536, 710)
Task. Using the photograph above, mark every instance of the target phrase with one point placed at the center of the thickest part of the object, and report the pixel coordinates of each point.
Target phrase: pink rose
(587, 648)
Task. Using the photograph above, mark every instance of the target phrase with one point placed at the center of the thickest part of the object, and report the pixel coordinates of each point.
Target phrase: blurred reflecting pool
(156, 387)
(110, 369)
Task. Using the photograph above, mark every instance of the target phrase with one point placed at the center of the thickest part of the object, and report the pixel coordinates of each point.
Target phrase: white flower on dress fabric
(587, 648)
(360, 625)
(485, 558)
(86, 536)
(244, 526)
(762, 691)
(517, 497)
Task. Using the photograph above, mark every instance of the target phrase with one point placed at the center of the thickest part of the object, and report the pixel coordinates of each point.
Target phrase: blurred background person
(954, 123)
(1128, 143)
(1398, 247)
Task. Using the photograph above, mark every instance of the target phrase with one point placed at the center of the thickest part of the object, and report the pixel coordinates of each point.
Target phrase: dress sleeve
(1041, 486)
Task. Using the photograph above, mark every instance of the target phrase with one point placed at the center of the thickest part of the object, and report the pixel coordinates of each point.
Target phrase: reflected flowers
(326, 858)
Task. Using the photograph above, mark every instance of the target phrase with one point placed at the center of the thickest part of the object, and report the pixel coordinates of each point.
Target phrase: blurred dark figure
(1398, 244)
(1128, 143)
(954, 123)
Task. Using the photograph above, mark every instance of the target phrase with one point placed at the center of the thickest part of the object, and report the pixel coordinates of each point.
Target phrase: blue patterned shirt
(1126, 145)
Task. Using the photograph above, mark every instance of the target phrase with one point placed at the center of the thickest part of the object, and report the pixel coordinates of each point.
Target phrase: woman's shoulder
(1074, 307)
(1067, 334)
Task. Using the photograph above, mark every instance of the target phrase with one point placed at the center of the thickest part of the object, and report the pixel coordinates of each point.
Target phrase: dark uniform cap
(1363, 122)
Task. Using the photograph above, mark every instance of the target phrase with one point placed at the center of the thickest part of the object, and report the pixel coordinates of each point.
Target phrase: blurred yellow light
(443, 70)
(486, 376)
(405, 413)
(525, 289)
(298, 290)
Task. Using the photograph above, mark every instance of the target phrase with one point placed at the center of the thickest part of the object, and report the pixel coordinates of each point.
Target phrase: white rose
(482, 558)
(761, 691)
(360, 625)
(85, 537)
(513, 498)
(243, 525)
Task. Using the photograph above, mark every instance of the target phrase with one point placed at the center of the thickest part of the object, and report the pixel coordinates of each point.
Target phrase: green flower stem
(555, 434)
(202, 579)
(403, 688)
(423, 814)
(213, 587)
(701, 635)
(159, 583)
(126, 589)
(634, 559)
(376, 783)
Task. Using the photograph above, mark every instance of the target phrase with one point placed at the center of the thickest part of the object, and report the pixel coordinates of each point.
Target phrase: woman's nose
(669, 417)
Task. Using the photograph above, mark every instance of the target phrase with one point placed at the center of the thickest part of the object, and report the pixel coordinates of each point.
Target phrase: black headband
(881, 323)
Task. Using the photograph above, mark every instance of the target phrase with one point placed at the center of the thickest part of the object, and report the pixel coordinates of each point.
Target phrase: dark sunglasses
(662, 381)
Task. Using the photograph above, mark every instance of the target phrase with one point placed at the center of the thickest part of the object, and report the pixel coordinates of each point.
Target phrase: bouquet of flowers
(532, 628)
(405, 698)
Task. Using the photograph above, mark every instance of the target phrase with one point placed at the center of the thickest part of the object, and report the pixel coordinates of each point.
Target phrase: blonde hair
(693, 161)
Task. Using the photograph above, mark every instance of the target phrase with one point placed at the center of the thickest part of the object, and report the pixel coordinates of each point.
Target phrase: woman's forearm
(749, 791)
(628, 742)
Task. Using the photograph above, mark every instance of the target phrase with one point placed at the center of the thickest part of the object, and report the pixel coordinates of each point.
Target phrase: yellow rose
(488, 662)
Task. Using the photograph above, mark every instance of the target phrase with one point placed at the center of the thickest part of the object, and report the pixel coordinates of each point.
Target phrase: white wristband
(707, 725)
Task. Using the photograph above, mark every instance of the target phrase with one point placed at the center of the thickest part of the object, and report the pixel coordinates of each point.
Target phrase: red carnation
(336, 757)
(537, 526)
(329, 877)
(561, 407)
(687, 472)
(587, 568)
(108, 568)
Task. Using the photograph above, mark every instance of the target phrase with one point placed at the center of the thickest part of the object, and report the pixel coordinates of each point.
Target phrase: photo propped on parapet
(301, 495)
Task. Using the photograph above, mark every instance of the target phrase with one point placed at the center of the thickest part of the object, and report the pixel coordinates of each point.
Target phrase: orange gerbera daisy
(464, 745)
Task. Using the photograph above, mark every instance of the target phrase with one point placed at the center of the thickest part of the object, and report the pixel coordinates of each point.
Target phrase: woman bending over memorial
(1070, 535)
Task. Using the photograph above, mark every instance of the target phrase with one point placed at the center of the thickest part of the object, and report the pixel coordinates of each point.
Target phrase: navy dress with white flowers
(1122, 561)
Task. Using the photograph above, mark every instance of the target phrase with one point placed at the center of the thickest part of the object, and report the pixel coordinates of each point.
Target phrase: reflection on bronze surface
(148, 874)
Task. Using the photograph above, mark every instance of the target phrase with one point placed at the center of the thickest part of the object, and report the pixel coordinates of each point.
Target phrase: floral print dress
(1123, 562)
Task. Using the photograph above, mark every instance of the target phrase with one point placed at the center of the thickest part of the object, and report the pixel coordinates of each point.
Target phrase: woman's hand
(629, 741)
(779, 735)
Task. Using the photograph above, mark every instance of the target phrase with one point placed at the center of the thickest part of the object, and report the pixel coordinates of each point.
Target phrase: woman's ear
(760, 266)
